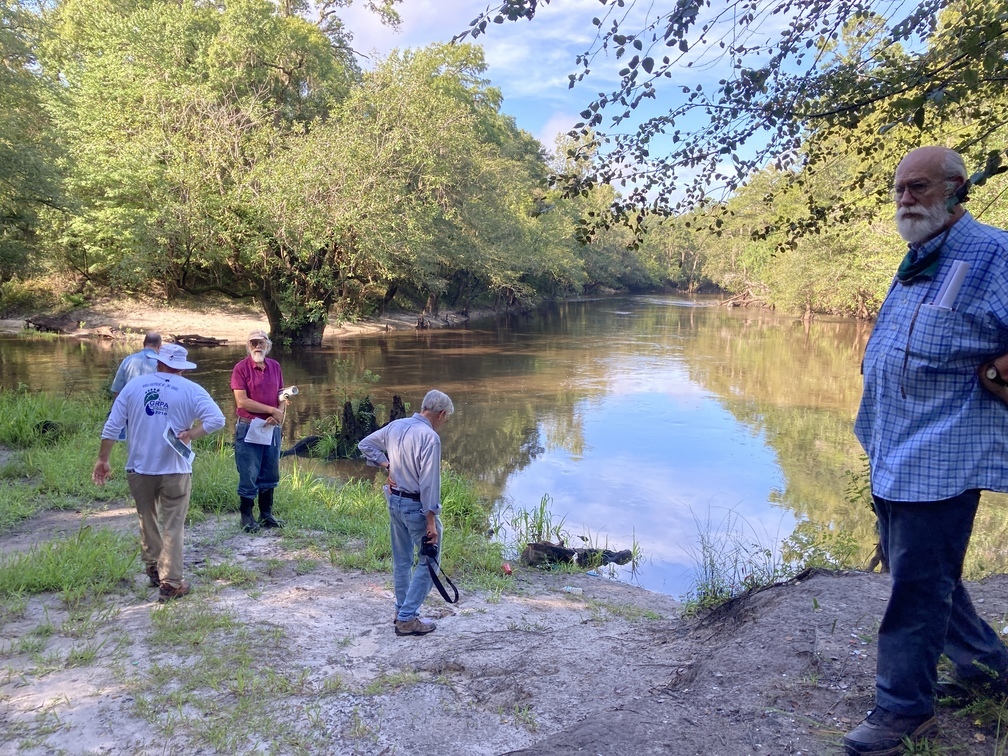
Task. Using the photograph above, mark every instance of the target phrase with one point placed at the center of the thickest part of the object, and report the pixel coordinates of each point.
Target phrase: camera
(428, 549)
(287, 393)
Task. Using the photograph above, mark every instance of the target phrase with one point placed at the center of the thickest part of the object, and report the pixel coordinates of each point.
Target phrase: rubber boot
(266, 518)
(248, 523)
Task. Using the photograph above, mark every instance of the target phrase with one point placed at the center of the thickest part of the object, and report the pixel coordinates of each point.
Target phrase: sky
(528, 61)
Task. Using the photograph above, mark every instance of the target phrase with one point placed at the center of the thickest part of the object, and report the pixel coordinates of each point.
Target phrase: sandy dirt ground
(610, 670)
(130, 318)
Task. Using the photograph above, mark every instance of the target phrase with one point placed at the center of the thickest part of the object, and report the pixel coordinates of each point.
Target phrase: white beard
(258, 356)
(920, 223)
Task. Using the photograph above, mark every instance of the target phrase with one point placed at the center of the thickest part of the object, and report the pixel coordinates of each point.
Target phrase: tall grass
(729, 560)
(732, 558)
(524, 526)
(354, 520)
(31, 419)
(17, 503)
(90, 563)
(348, 522)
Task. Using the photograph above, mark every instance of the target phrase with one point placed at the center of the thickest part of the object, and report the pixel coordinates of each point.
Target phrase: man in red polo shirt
(256, 382)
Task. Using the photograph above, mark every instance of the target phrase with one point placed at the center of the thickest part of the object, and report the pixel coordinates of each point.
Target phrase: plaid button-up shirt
(930, 429)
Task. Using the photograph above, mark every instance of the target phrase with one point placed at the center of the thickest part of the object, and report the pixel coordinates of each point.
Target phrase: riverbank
(281, 649)
(216, 319)
(608, 668)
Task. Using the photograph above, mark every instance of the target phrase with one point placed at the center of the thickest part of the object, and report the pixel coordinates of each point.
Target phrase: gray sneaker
(883, 732)
(415, 626)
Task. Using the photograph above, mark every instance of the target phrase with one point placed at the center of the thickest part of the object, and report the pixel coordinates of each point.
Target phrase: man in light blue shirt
(143, 362)
(409, 451)
(935, 427)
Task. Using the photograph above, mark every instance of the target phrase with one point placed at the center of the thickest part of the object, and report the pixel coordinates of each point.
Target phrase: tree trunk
(292, 329)
(273, 314)
(304, 334)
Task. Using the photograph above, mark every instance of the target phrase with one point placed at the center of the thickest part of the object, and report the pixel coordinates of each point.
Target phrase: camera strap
(437, 582)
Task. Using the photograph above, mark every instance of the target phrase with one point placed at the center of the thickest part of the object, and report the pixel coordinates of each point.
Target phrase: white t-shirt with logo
(151, 402)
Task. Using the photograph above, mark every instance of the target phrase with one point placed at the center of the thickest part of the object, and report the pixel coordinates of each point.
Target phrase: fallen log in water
(543, 553)
(194, 339)
(47, 324)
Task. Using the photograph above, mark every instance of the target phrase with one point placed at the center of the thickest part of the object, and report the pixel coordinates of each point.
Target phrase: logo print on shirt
(153, 404)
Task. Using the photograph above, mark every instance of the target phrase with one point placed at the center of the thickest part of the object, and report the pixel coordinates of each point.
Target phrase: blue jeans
(410, 577)
(258, 464)
(929, 611)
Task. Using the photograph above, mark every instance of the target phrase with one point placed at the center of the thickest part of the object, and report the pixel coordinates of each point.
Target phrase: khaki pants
(164, 497)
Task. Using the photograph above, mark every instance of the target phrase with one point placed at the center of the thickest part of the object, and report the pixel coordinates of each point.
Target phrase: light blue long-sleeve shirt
(143, 362)
(412, 449)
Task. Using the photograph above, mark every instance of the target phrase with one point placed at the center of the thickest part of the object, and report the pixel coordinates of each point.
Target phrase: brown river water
(661, 421)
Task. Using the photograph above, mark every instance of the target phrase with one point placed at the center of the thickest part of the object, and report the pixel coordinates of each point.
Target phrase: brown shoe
(152, 573)
(415, 626)
(169, 592)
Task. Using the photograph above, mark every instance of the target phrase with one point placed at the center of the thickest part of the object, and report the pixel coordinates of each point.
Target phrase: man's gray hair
(953, 166)
(152, 340)
(437, 401)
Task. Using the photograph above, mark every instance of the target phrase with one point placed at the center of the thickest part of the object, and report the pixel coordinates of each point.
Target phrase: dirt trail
(614, 670)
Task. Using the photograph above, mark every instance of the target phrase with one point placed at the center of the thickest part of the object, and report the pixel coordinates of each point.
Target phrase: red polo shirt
(261, 384)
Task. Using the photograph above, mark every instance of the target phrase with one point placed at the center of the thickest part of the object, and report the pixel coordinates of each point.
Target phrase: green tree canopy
(28, 179)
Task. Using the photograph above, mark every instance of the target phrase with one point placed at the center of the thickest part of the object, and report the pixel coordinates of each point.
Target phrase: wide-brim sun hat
(174, 356)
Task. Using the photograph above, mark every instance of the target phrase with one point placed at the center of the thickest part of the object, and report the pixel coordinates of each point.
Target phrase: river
(658, 420)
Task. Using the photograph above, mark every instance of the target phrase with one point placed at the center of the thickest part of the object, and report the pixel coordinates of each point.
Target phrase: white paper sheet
(259, 432)
(950, 286)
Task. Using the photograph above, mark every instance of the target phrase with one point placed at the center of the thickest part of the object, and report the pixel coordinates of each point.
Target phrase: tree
(416, 185)
(28, 176)
(892, 81)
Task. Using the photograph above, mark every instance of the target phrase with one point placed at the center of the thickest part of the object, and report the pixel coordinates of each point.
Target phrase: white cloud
(557, 123)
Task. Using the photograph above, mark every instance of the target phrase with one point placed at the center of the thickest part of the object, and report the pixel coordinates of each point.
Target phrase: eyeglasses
(257, 343)
(917, 188)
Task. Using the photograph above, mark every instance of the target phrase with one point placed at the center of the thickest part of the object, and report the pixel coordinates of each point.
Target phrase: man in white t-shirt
(162, 410)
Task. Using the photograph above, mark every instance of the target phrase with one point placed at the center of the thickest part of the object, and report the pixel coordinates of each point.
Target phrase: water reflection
(639, 417)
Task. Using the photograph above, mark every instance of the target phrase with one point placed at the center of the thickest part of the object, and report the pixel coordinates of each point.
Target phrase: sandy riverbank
(220, 319)
(612, 669)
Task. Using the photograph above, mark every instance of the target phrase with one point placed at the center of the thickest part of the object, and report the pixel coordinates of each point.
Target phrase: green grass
(530, 526)
(91, 563)
(602, 610)
(18, 502)
(729, 561)
(214, 680)
(35, 419)
(344, 523)
(228, 572)
(391, 681)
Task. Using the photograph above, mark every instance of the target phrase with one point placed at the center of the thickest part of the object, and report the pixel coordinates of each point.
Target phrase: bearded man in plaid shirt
(934, 424)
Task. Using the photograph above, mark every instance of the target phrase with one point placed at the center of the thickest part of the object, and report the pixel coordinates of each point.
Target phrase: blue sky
(528, 61)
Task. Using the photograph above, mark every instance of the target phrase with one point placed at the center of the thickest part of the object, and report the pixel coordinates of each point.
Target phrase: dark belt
(404, 494)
